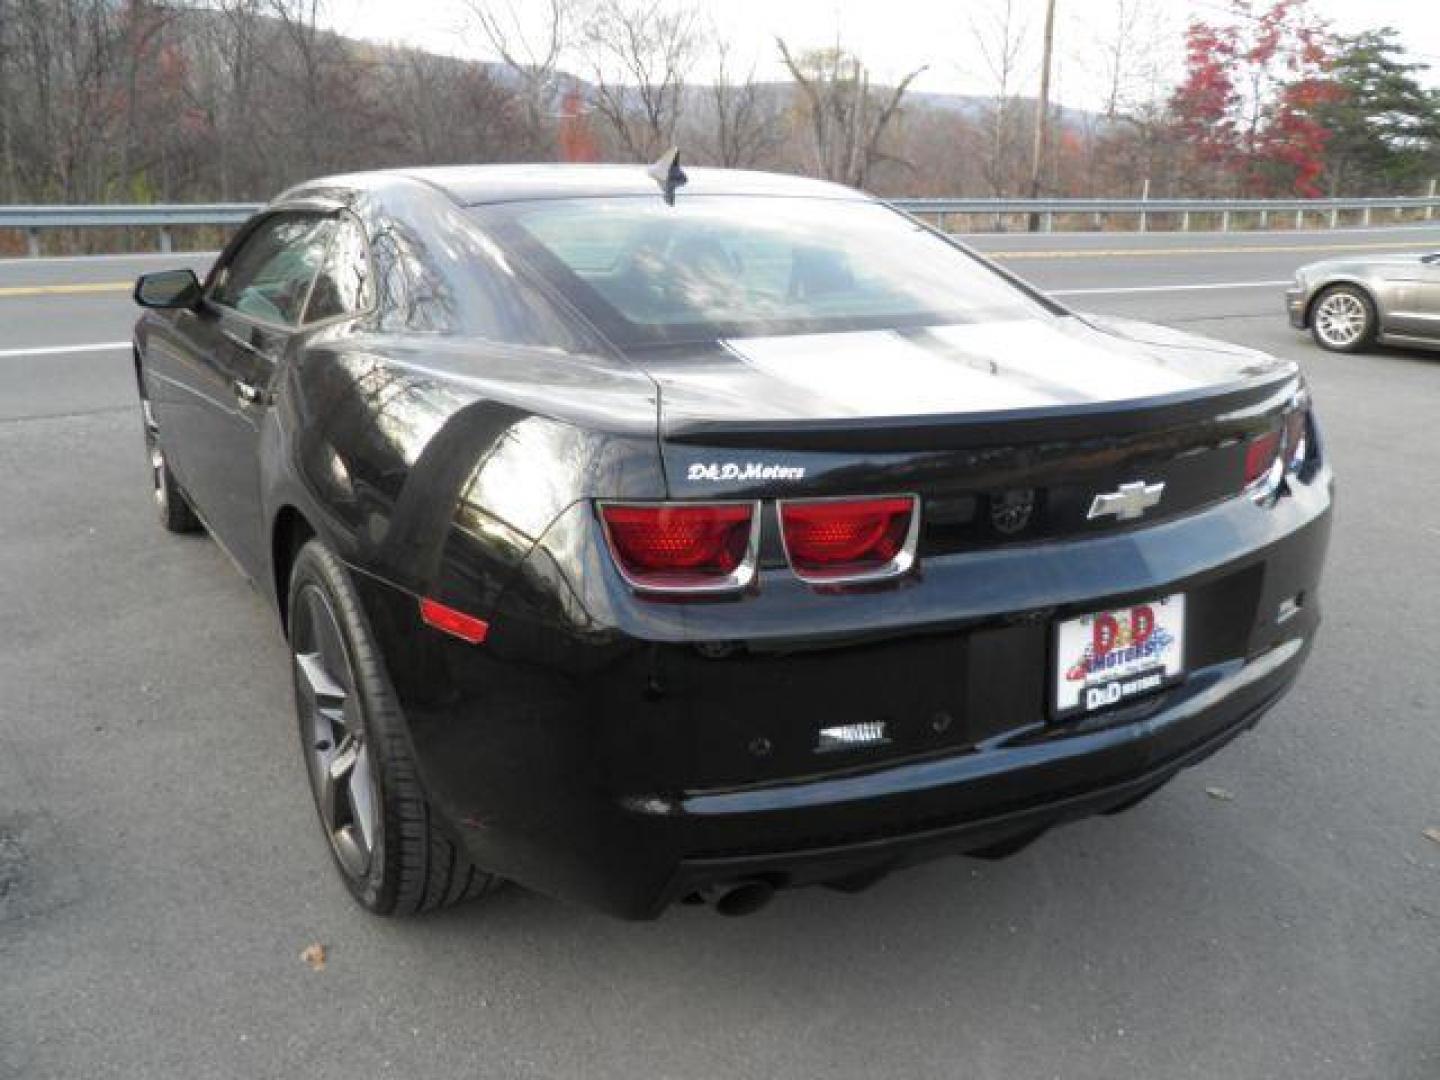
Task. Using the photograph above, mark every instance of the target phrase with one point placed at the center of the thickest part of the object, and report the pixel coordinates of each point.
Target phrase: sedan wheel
(1343, 319)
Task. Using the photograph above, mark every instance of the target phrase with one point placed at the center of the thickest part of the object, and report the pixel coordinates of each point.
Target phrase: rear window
(734, 266)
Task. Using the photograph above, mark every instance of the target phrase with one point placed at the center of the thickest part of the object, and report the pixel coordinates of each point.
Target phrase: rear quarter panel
(435, 466)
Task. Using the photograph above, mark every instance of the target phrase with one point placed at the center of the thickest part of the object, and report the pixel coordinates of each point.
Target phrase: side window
(344, 285)
(269, 278)
(412, 295)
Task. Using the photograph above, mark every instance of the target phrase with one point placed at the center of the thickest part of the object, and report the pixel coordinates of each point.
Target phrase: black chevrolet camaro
(641, 543)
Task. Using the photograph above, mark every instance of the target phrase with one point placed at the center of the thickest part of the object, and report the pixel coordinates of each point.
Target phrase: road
(160, 870)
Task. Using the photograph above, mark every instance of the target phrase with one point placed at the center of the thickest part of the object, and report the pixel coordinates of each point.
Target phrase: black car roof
(473, 185)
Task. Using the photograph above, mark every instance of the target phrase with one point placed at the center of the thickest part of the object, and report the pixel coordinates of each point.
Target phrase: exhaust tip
(744, 898)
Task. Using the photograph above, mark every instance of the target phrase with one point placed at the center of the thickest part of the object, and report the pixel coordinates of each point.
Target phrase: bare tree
(239, 55)
(445, 109)
(1114, 50)
(1128, 57)
(738, 122)
(10, 192)
(1000, 38)
(946, 150)
(846, 117)
(69, 53)
(142, 28)
(1128, 61)
(637, 53)
(531, 48)
(302, 65)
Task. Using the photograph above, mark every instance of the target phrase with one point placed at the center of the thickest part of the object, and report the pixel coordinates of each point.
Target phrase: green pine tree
(1384, 126)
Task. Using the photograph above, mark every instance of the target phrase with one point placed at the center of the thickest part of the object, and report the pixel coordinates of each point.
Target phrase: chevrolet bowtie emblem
(1127, 502)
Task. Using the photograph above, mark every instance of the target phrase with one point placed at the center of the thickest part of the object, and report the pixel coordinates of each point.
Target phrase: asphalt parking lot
(1273, 913)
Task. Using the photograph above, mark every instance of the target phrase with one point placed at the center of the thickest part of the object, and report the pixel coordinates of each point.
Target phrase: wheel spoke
(346, 789)
(353, 857)
(343, 763)
(332, 653)
(320, 690)
(331, 780)
(362, 798)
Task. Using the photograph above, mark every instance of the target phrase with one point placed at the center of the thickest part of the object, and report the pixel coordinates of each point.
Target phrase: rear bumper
(1076, 778)
(591, 762)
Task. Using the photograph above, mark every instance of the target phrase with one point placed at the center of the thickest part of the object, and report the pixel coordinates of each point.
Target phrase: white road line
(61, 350)
(1195, 287)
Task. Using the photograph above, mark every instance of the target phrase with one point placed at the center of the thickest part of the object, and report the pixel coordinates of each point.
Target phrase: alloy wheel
(337, 751)
(1341, 319)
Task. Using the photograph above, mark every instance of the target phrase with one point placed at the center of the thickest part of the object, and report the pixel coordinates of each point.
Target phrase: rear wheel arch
(288, 534)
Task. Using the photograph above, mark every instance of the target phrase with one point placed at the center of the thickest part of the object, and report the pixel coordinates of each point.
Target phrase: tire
(176, 514)
(391, 851)
(1343, 319)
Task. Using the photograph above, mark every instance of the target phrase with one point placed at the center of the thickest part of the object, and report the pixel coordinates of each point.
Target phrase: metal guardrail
(1144, 210)
(33, 220)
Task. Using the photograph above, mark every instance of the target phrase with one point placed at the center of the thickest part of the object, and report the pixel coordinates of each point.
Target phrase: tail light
(1262, 456)
(840, 540)
(683, 547)
(1283, 450)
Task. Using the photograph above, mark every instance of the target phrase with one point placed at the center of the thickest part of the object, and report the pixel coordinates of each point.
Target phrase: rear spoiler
(1239, 405)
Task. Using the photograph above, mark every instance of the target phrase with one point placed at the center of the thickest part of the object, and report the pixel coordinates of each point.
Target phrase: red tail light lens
(849, 539)
(1260, 456)
(683, 547)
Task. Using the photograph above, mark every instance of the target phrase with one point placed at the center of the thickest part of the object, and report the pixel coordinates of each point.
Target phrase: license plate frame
(1079, 688)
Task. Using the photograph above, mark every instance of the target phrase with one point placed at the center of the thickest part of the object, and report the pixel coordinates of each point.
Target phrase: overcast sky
(896, 36)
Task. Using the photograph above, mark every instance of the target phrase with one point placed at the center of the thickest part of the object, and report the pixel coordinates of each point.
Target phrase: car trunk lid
(1007, 431)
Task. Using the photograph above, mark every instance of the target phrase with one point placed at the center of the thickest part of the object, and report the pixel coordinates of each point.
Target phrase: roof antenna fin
(667, 173)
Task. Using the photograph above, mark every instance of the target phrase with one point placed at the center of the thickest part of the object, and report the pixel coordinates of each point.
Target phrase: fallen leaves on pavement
(1433, 834)
(314, 955)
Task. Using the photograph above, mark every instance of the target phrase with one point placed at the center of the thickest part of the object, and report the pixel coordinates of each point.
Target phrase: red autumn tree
(1246, 107)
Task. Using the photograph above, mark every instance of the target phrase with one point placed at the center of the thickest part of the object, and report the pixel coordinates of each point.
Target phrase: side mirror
(167, 289)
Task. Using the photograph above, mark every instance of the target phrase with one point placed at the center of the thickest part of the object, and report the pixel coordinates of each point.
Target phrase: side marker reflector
(467, 628)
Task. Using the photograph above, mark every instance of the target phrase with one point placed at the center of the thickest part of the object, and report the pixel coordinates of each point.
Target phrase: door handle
(247, 392)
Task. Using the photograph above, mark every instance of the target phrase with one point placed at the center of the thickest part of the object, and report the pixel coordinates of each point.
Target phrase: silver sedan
(1351, 304)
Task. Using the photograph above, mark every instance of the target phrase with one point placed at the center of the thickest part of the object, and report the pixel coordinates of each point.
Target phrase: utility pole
(1042, 112)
